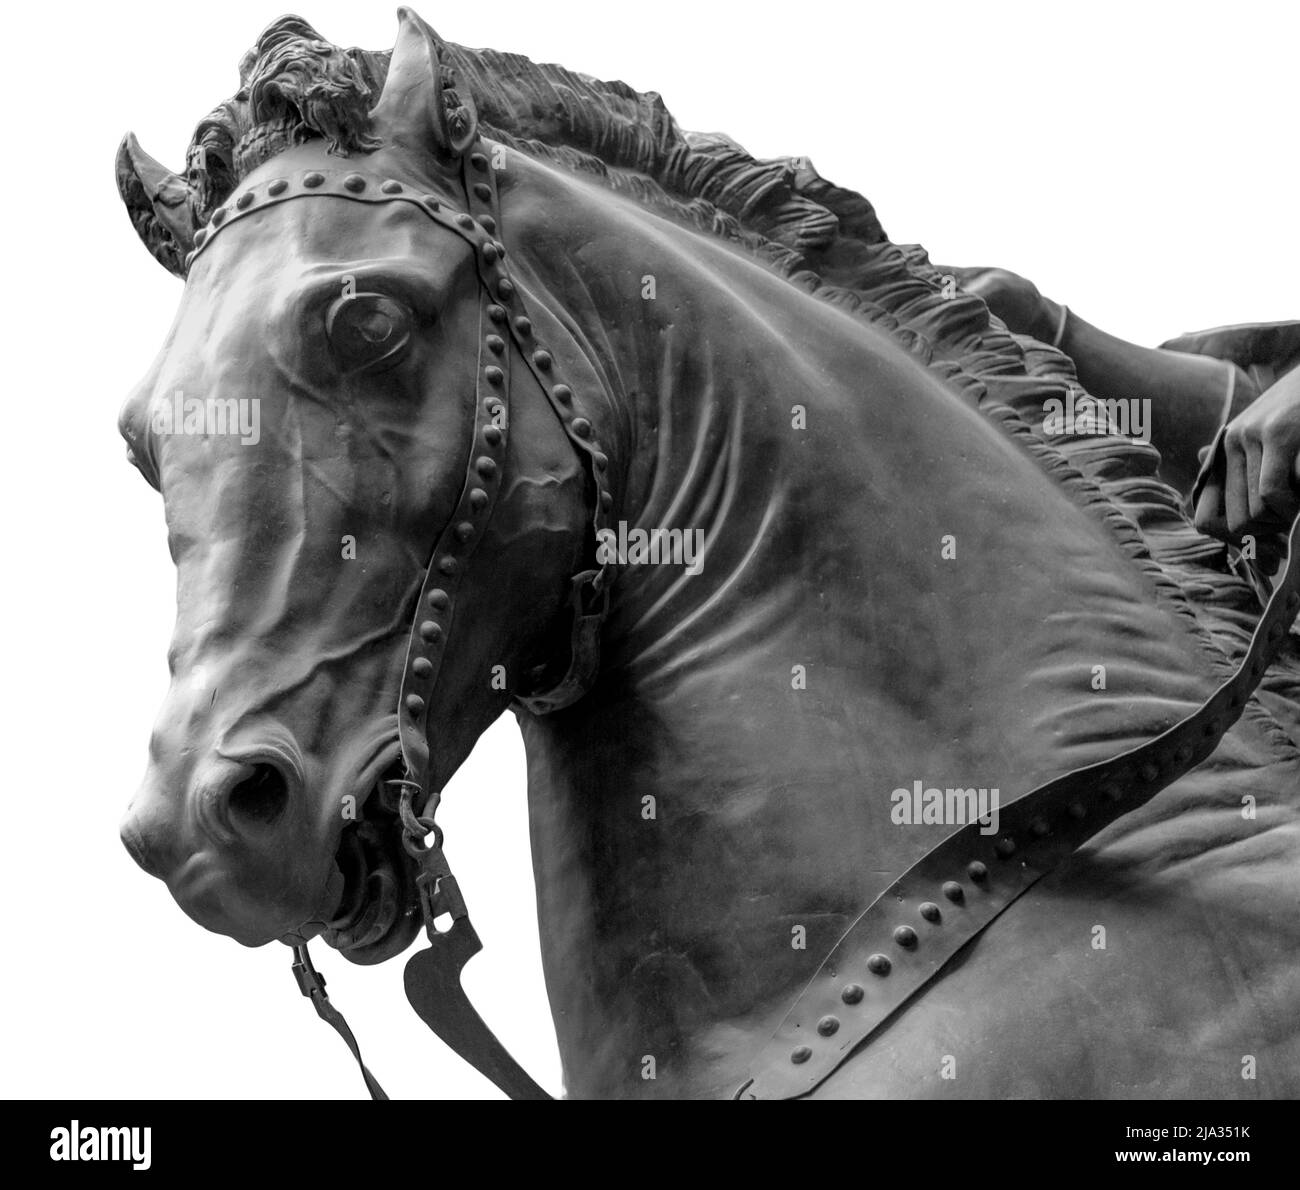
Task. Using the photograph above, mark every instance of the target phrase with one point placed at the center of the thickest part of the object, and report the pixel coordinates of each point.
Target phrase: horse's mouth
(378, 913)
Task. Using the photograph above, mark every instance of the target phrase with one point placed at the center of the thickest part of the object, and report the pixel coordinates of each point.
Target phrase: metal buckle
(309, 979)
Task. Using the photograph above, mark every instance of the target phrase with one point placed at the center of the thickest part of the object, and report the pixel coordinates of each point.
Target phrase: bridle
(905, 938)
(507, 339)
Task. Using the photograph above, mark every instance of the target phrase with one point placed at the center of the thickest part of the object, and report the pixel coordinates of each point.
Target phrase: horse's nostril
(260, 798)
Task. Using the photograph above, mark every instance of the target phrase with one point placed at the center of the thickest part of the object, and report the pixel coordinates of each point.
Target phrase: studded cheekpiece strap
(432, 976)
(953, 893)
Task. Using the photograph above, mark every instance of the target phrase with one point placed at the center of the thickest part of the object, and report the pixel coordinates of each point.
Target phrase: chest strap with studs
(953, 893)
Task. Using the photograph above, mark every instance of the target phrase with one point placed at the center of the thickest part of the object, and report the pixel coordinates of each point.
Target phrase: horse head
(413, 365)
(331, 428)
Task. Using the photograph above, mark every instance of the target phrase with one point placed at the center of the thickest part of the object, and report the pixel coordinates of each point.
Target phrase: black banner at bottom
(273, 1139)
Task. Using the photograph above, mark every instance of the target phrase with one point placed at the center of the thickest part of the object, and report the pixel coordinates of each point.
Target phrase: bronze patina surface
(498, 319)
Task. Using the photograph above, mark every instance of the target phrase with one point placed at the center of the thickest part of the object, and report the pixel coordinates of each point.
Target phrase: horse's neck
(890, 593)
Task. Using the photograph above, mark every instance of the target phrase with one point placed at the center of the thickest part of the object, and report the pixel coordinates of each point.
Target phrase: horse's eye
(368, 331)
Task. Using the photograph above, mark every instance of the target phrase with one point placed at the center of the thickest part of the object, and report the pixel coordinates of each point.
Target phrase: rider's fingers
(1254, 453)
(1236, 489)
(1277, 490)
(1211, 517)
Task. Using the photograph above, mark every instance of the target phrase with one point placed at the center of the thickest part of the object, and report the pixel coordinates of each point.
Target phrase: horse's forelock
(316, 89)
(294, 86)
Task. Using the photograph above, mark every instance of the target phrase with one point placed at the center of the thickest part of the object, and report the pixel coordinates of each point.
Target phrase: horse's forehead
(289, 243)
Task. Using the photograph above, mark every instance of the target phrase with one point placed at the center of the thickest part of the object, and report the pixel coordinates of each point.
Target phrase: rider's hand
(1012, 298)
(1259, 493)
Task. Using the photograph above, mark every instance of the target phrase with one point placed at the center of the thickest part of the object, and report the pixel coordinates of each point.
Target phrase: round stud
(582, 427)
(431, 202)
(495, 375)
(496, 313)
(354, 183)
(244, 201)
(954, 891)
(312, 180)
(415, 704)
(606, 501)
(800, 1054)
(478, 161)
(391, 187)
(478, 499)
(1184, 753)
(495, 343)
(905, 937)
(200, 237)
(505, 289)
(189, 260)
(1077, 811)
(1005, 847)
(600, 460)
(1039, 828)
(500, 247)
(219, 216)
(422, 667)
(524, 326)
(878, 964)
(828, 1026)
(464, 221)
(852, 993)
(278, 187)
(447, 566)
(464, 531)
(977, 871)
(489, 252)
(543, 360)
(1149, 771)
(492, 435)
(931, 912)
(439, 600)
(483, 191)
(430, 632)
(562, 393)
(488, 224)
(486, 467)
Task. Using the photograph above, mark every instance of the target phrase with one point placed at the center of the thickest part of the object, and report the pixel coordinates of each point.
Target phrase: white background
(1136, 160)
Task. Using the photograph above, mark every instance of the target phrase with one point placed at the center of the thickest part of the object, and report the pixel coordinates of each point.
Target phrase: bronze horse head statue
(464, 341)
(362, 346)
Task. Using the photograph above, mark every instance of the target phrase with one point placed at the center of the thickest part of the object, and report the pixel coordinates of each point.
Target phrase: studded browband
(432, 976)
(953, 893)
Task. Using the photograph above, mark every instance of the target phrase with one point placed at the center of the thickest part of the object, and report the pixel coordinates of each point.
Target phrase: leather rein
(905, 938)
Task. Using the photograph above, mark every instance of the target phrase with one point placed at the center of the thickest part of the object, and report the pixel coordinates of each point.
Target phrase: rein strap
(944, 901)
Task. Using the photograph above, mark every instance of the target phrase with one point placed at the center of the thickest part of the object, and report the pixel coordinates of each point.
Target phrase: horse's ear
(421, 106)
(158, 202)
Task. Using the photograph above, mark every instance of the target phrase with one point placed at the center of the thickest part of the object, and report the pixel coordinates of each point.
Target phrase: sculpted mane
(824, 239)
(479, 411)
